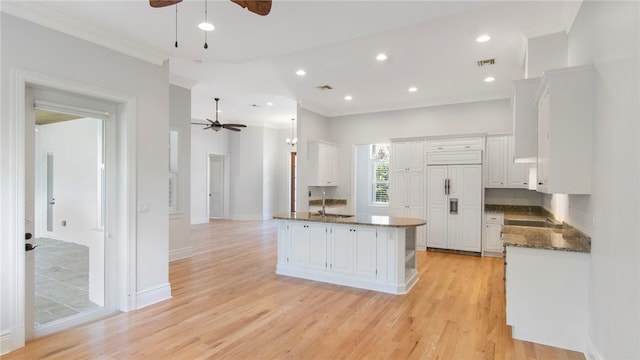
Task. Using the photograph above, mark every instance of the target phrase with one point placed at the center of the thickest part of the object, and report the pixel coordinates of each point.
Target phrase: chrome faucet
(324, 211)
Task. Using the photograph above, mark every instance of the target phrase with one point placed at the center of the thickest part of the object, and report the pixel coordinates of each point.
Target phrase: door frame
(225, 186)
(12, 193)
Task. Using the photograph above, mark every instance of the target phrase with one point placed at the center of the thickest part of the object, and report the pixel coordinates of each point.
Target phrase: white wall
(180, 243)
(38, 49)
(605, 33)
(247, 176)
(203, 143)
(347, 131)
(311, 127)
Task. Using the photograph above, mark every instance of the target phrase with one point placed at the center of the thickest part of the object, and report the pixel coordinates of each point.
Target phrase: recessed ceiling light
(381, 57)
(489, 79)
(206, 26)
(483, 38)
(348, 98)
(301, 72)
(413, 89)
(269, 104)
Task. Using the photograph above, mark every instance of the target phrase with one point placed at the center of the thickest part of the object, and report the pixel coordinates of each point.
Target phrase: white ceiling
(252, 60)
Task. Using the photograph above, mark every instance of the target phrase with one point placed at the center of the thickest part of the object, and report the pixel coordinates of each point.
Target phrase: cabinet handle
(540, 183)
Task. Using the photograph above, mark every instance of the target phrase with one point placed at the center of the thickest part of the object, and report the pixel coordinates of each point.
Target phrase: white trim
(200, 220)
(67, 109)
(41, 14)
(153, 295)
(181, 81)
(179, 254)
(13, 209)
(591, 351)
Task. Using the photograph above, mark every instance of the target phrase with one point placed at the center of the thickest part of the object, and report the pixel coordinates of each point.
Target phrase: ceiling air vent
(325, 87)
(486, 62)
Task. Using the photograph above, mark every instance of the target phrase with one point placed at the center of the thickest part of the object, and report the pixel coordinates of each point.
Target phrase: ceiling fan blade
(231, 128)
(235, 125)
(163, 3)
(260, 7)
(194, 123)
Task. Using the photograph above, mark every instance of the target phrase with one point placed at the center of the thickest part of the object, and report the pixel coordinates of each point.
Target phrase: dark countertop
(534, 227)
(368, 220)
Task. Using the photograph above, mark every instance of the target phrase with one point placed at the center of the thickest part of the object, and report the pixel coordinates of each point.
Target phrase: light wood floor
(228, 303)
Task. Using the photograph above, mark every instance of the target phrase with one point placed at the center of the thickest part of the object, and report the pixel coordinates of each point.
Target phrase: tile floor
(62, 280)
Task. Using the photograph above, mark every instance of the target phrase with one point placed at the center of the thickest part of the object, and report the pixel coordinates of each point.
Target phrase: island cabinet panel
(379, 258)
(308, 245)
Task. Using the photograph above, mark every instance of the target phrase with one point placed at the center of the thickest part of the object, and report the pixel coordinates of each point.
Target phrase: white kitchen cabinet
(380, 258)
(323, 160)
(547, 295)
(309, 250)
(495, 164)
(407, 183)
(525, 119)
(454, 207)
(500, 169)
(456, 144)
(407, 156)
(565, 113)
(517, 173)
(407, 199)
(353, 250)
(492, 243)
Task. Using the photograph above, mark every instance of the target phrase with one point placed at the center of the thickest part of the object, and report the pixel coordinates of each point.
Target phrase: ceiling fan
(260, 7)
(217, 125)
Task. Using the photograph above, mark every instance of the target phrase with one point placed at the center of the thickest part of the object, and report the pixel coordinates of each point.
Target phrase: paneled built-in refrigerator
(454, 207)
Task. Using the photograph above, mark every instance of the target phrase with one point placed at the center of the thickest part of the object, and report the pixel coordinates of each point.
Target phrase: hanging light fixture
(206, 25)
(292, 140)
(176, 44)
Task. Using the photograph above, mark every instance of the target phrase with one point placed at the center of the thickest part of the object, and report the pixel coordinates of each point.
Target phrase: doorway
(68, 163)
(216, 186)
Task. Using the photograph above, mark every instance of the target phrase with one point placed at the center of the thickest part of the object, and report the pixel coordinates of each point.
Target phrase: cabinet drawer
(472, 143)
(494, 218)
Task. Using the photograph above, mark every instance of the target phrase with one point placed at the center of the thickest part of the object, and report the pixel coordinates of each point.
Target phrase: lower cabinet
(493, 234)
(367, 257)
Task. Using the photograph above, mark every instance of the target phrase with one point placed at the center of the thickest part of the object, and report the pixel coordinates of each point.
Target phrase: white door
(67, 188)
(216, 186)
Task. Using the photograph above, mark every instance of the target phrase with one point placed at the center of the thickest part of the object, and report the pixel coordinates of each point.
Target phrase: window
(379, 174)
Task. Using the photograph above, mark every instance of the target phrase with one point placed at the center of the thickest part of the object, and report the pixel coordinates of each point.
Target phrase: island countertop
(369, 220)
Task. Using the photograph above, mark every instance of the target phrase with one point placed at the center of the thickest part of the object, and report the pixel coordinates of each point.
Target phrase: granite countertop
(370, 220)
(534, 227)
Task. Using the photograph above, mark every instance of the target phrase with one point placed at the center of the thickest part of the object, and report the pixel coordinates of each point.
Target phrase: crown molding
(43, 14)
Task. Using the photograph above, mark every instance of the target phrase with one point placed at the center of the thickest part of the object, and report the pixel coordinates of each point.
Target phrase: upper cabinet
(455, 144)
(323, 160)
(565, 121)
(500, 169)
(407, 156)
(525, 119)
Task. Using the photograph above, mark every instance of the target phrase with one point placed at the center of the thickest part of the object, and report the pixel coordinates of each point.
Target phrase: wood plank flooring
(229, 304)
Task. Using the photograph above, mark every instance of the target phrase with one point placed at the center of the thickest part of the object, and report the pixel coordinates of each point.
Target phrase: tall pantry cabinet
(454, 200)
(407, 184)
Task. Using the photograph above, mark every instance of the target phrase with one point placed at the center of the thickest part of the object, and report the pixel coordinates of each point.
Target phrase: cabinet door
(400, 156)
(493, 240)
(399, 183)
(414, 190)
(366, 252)
(437, 207)
(517, 174)
(341, 249)
(543, 142)
(415, 161)
(308, 245)
(495, 166)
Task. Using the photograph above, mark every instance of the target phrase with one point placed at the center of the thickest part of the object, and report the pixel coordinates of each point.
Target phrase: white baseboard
(11, 339)
(154, 295)
(195, 221)
(178, 254)
(591, 352)
(246, 217)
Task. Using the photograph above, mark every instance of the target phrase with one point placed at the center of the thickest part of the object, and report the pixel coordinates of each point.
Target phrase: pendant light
(292, 140)
(206, 25)
(176, 44)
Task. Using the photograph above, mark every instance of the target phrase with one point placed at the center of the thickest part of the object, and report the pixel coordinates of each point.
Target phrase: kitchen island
(369, 252)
